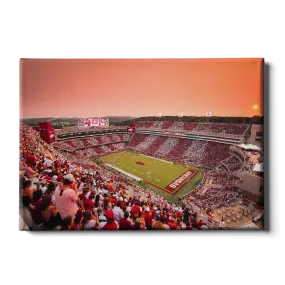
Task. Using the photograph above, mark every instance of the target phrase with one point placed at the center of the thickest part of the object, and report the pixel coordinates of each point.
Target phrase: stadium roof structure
(249, 146)
(258, 167)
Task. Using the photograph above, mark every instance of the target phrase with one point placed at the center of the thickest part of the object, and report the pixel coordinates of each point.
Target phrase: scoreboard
(94, 122)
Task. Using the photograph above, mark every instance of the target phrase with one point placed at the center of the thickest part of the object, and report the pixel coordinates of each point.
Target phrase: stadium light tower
(208, 116)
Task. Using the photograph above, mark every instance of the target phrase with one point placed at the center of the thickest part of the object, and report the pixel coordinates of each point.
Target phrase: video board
(93, 122)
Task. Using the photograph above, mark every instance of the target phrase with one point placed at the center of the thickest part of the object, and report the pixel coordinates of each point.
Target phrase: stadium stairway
(131, 137)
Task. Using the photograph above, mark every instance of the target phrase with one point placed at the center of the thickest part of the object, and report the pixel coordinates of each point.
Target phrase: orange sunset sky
(140, 87)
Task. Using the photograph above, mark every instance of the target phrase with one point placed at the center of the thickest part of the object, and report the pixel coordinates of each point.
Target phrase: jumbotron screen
(94, 122)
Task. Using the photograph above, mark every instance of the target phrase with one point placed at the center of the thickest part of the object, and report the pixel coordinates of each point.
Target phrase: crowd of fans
(65, 196)
(225, 130)
(63, 189)
(217, 190)
(214, 153)
(177, 126)
(151, 149)
(137, 139)
(186, 151)
(168, 145)
(142, 142)
(87, 153)
(232, 163)
(181, 146)
(167, 125)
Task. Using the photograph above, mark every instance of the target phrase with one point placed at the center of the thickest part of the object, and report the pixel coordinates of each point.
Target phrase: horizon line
(139, 117)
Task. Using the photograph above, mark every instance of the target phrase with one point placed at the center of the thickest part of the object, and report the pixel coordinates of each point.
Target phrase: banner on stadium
(132, 128)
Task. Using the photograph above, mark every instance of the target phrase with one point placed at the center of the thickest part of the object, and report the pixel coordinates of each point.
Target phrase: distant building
(252, 186)
(256, 135)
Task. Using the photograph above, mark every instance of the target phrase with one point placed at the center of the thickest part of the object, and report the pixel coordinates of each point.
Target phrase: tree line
(214, 119)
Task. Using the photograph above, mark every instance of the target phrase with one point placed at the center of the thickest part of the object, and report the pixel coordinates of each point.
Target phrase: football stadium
(169, 179)
(166, 170)
(141, 144)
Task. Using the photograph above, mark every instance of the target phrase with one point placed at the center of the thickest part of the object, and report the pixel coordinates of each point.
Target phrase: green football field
(154, 172)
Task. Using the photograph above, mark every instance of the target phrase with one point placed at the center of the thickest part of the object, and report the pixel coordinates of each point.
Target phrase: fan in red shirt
(123, 204)
(166, 217)
(49, 177)
(113, 200)
(60, 177)
(148, 216)
(89, 203)
(46, 176)
(28, 158)
(135, 210)
(79, 214)
(110, 186)
(110, 225)
(199, 224)
(35, 207)
(125, 224)
(179, 215)
(188, 226)
(82, 196)
(122, 191)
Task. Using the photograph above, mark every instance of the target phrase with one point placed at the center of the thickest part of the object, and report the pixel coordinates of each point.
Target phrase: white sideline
(124, 172)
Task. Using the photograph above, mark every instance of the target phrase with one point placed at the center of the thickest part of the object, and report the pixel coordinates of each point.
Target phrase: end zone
(174, 186)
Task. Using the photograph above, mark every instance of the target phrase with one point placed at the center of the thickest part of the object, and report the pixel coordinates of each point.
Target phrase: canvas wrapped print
(141, 144)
